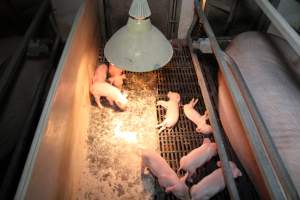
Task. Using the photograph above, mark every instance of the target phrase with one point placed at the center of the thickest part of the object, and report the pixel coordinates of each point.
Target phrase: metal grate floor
(179, 76)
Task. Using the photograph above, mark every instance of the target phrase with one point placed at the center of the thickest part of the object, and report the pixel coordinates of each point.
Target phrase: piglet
(117, 80)
(114, 70)
(100, 74)
(112, 94)
(172, 114)
(116, 76)
(194, 116)
(213, 183)
(197, 157)
(167, 178)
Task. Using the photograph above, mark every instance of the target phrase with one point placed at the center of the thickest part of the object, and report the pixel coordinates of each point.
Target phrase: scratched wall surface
(111, 169)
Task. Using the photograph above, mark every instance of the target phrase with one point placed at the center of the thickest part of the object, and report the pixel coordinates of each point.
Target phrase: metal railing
(277, 180)
(230, 183)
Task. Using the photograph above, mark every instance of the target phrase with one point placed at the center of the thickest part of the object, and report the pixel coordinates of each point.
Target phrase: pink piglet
(100, 74)
(196, 118)
(197, 157)
(167, 178)
(172, 114)
(212, 184)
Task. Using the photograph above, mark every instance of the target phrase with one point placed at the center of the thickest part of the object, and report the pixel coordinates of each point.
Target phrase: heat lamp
(138, 46)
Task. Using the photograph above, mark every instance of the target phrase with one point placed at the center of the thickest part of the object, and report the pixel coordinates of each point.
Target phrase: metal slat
(180, 76)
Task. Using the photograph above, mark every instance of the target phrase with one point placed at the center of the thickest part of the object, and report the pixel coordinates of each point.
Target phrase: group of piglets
(109, 88)
(168, 179)
(172, 114)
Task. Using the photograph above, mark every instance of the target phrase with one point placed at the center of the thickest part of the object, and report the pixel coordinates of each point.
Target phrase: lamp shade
(138, 46)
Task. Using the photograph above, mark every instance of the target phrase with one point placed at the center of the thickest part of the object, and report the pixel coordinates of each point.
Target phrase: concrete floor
(111, 169)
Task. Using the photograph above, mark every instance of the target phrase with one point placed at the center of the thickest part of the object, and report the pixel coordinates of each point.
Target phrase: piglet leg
(110, 101)
(143, 167)
(97, 99)
(205, 129)
(162, 126)
(193, 102)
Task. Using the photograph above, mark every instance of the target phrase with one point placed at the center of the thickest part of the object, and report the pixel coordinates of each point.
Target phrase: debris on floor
(112, 168)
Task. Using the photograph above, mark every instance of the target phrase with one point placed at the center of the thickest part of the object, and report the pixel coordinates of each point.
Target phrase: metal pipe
(214, 122)
(281, 24)
(257, 146)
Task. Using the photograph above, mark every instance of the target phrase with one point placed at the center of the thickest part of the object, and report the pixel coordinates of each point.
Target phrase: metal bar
(275, 158)
(261, 156)
(214, 122)
(13, 66)
(281, 24)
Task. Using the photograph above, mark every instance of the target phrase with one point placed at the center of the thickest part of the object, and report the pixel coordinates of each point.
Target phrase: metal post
(230, 183)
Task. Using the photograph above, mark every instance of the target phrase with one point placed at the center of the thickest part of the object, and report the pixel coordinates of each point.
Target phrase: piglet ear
(170, 189)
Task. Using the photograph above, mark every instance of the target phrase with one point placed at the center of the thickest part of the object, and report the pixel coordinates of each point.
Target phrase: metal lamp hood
(138, 46)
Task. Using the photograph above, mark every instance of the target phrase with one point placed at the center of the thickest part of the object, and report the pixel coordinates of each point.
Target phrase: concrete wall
(186, 18)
